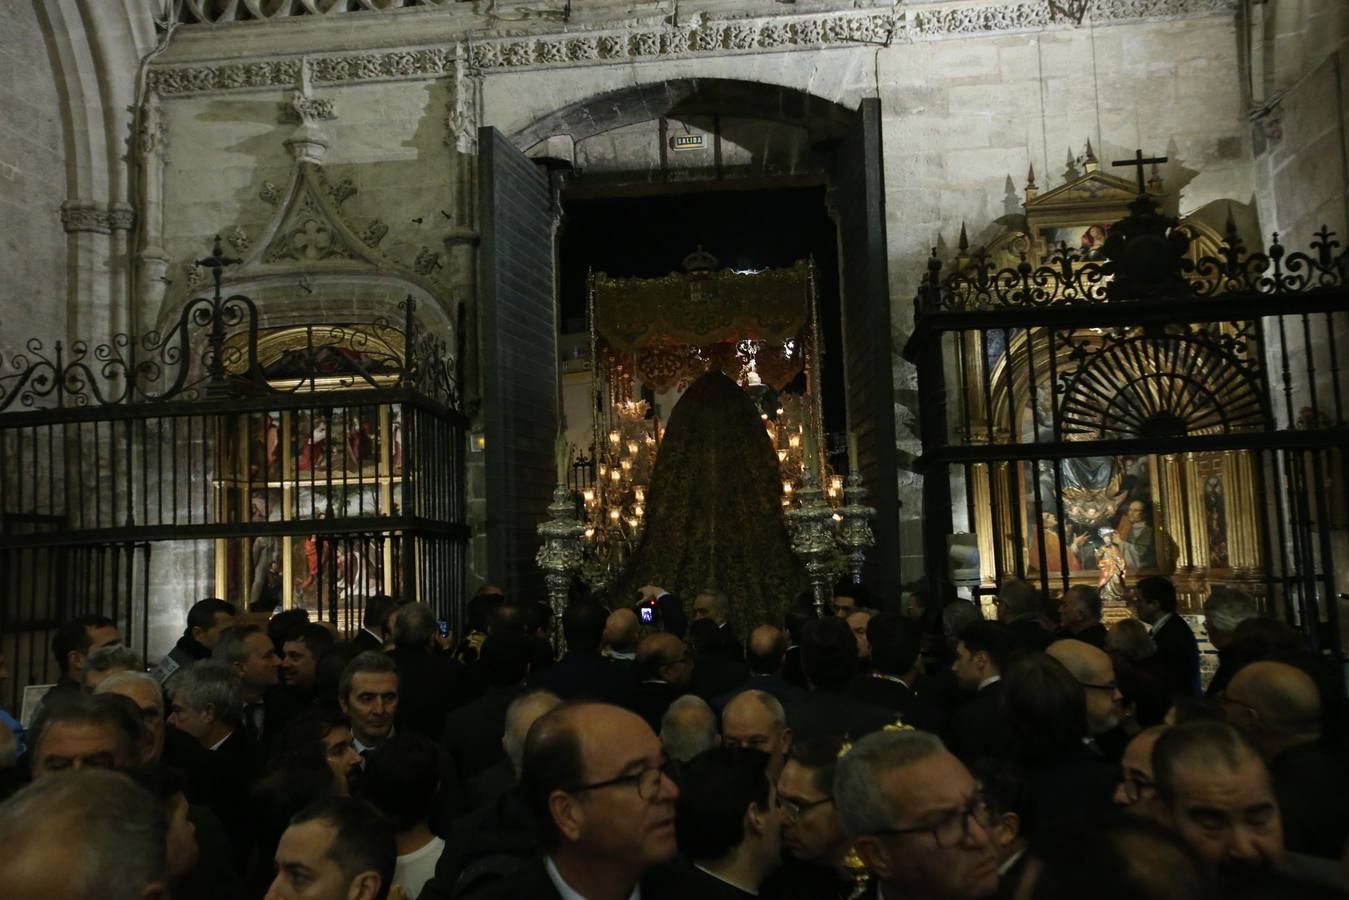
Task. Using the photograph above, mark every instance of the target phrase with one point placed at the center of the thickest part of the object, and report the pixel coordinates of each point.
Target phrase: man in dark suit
(979, 728)
(895, 641)
(1019, 609)
(251, 654)
(1155, 603)
(728, 826)
(715, 669)
(766, 656)
(337, 849)
(429, 682)
(583, 673)
(472, 733)
(715, 606)
(665, 667)
(829, 654)
(595, 778)
(206, 705)
(888, 789)
(1012, 819)
(374, 624)
(1278, 707)
(1080, 615)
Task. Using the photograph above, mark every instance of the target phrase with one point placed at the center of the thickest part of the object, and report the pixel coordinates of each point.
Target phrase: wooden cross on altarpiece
(1140, 162)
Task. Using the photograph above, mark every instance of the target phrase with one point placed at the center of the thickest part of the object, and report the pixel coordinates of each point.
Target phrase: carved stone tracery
(643, 41)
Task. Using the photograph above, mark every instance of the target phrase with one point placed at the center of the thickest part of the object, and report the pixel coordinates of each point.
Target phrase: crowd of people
(912, 748)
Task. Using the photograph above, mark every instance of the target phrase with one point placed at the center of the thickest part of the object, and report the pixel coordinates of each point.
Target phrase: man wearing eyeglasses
(1093, 669)
(600, 788)
(812, 834)
(1136, 793)
(916, 818)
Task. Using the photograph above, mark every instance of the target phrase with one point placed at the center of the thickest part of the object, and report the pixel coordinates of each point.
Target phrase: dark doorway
(648, 236)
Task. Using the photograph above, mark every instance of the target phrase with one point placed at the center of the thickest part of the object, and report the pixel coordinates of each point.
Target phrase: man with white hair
(1224, 610)
(755, 720)
(108, 661)
(916, 818)
(92, 834)
(207, 705)
(142, 689)
(688, 728)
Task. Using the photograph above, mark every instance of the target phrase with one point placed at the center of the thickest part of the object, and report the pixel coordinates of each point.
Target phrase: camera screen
(648, 614)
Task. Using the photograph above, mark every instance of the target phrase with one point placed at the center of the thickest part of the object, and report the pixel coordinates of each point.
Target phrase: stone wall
(32, 184)
(972, 95)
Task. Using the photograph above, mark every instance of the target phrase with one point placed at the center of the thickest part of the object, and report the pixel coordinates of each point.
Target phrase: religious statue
(1113, 567)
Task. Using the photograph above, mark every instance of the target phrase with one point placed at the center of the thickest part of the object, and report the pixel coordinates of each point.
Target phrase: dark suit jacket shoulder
(979, 728)
(668, 882)
(1094, 635)
(1180, 652)
(590, 676)
(651, 700)
(472, 733)
(829, 712)
(364, 641)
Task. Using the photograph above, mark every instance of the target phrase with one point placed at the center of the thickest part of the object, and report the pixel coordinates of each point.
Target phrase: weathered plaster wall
(32, 184)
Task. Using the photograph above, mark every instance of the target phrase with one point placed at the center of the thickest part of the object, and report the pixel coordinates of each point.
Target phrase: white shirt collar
(566, 891)
(373, 635)
(1157, 626)
(1010, 861)
(618, 654)
(989, 680)
(217, 744)
(362, 748)
(710, 873)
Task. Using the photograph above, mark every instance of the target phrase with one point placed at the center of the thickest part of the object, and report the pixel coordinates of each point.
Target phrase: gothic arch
(823, 119)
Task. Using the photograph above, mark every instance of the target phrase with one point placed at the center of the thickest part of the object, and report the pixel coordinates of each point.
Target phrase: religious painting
(1087, 241)
(264, 456)
(346, 567)
(1215, 522)
(1108, 519)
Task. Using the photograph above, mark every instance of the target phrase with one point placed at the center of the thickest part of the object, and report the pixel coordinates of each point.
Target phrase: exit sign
(687, 142)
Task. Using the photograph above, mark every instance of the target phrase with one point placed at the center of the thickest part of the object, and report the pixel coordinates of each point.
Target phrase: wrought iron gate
(306, 466)
(1199, 404)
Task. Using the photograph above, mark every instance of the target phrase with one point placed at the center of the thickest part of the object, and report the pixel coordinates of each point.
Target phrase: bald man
(755, 720)
(1092, 668)
(664, 668)
(621, 631)
(1278, 707)
(766, 656)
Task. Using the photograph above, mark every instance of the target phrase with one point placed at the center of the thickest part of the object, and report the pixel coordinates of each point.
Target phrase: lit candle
(633, 448)
(590, 533)
(604, 470)
(794, 441)
(782, 456)
(613, 515)
(615, 475)
(640, 493)
(786, 487)
(835, 483)
(614, 437)
(837, 517)
(626, 464)
(589, 495)
(633, 523)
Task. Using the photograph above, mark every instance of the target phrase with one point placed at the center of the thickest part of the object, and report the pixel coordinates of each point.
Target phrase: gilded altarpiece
(1104, 520)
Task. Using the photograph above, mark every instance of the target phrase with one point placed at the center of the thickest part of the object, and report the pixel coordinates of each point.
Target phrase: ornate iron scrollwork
(213, 350)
